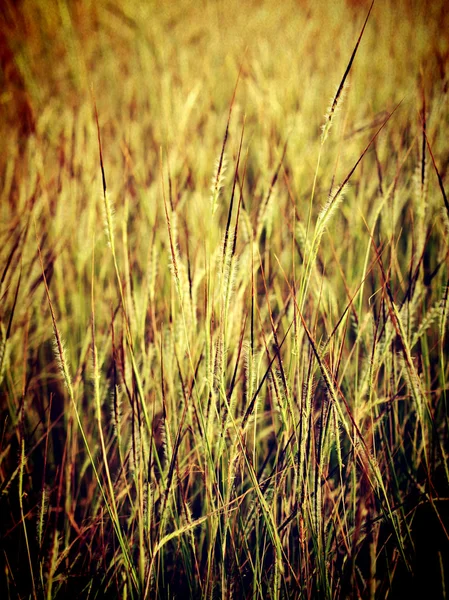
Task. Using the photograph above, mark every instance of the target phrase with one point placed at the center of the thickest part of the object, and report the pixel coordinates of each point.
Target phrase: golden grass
(223, 352)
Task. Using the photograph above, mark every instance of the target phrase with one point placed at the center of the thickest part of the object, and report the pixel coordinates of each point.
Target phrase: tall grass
(223, 351)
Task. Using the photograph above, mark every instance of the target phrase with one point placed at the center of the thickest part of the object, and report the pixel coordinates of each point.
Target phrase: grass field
(224, 274)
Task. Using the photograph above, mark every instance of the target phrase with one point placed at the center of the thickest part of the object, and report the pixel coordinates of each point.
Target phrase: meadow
(224, 274)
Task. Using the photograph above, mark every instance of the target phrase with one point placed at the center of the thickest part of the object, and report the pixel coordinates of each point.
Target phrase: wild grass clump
(224, 311)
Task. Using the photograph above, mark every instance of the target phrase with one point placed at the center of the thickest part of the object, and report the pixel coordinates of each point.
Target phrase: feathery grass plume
(115, 401)
(218, 180)
(334, 200)
(172, 241)
(227, 269)
(109, 219)
(307, 393)
(138, 449)
(303, 241)
(230, 272)
(218, 364)
(230, 237)
(58, 345)
(43, 509)
(187, 296)
(336, 102)
(220, 167)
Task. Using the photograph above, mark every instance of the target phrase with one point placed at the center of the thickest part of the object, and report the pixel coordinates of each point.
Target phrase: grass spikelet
(109, 217)
(218, 181)
(336, 102)
(116, 410)
(161, 448)
(60, 353)
(133, 450)
(230, 268)
(43, 507)
(58, 343)
(220, 168)
(250, 370)
(303, 242)
(171, 239)
(334, 200)
(218, 364)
